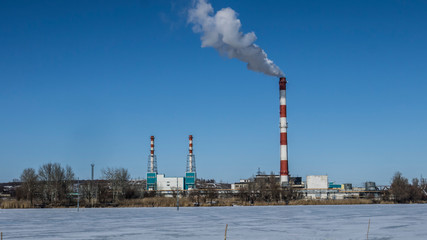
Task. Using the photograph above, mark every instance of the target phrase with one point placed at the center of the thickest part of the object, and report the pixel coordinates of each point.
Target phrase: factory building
(151, 181)
(317, 182)
(317, 187)
(265, 179)
(159, 182)
(169, 183)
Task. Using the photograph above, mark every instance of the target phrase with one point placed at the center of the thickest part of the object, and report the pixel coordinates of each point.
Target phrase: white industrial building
(169, 183)
(317, 182)
(317, 187)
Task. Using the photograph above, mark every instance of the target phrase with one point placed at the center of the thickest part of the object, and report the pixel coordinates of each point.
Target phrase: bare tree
(211, 194)
(415, 191)
(243, 194)
(423, 187)
(274, 188)
(56, 182)
(46, 182)
(102, 192)
(194, 196)
(400, 188)
(69, 178)
(118, 179)
(29, 183)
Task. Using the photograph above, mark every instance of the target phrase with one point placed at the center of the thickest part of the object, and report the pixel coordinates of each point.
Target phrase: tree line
(402, 191)
(54, 185)
(267, 190)
(50, 185)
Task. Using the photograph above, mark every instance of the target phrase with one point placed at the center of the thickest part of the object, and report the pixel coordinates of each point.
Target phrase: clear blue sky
(91, 81)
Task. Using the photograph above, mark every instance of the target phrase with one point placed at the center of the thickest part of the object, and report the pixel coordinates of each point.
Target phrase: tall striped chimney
(152, 167)
(284, 173)
(190, 155)
(190, 174)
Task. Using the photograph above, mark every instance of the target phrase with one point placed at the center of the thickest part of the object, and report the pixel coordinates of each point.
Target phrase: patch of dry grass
(15, 204)
(332, 202)
(189, 202)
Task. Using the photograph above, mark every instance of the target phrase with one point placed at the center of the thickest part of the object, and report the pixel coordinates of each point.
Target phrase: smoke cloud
(222, 32)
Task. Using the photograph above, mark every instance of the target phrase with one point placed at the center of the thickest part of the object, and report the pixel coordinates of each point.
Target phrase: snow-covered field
(244, 223)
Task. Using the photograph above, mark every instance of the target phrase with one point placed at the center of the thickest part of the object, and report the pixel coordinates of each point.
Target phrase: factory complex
(280, 188)
(315, 186)
(159, 182)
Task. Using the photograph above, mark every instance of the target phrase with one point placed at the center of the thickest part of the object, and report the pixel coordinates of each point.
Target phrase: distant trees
(195, 196)
(399, 188)
(53, 185)
(266, 188)
(269, 189)
(103, 192)
(211, 194)
(118, 179)
(56, 182)
(50, 185)
(401, 191)
(29, 179)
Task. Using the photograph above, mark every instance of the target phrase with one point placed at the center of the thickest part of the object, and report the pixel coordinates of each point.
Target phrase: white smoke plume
(222, 32)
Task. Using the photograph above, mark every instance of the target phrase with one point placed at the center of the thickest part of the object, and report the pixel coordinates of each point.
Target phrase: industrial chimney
(284, 173)
(152, 161)
(190, 174)
(191, 166)
(152, 168)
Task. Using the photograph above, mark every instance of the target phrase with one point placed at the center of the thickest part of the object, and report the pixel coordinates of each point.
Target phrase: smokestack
(190, 174)
(152, 163)
(190, 155)
(284, 173)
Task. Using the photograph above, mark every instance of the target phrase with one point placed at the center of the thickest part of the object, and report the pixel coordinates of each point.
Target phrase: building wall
(190, 180)
(241, 185)
(169, 183)
(317, 195)
(151, 181)
(317, 182)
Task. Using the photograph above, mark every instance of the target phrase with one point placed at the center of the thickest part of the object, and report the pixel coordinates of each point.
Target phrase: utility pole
(91, 186)
(177, 195)
(78, 194)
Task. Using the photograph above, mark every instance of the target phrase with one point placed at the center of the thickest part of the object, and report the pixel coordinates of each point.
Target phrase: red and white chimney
(190, 155)
(152, 164)
(284, 173)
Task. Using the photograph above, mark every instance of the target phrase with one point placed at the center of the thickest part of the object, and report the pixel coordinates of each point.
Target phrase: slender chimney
(284, 173)
(152, 161)
(152, 168)
(190, 155)
(190, 174)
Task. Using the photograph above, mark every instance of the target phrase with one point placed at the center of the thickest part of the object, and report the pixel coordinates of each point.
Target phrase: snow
(244, 223)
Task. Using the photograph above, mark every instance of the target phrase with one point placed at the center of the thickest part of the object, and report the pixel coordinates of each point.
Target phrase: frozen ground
(244, 223)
